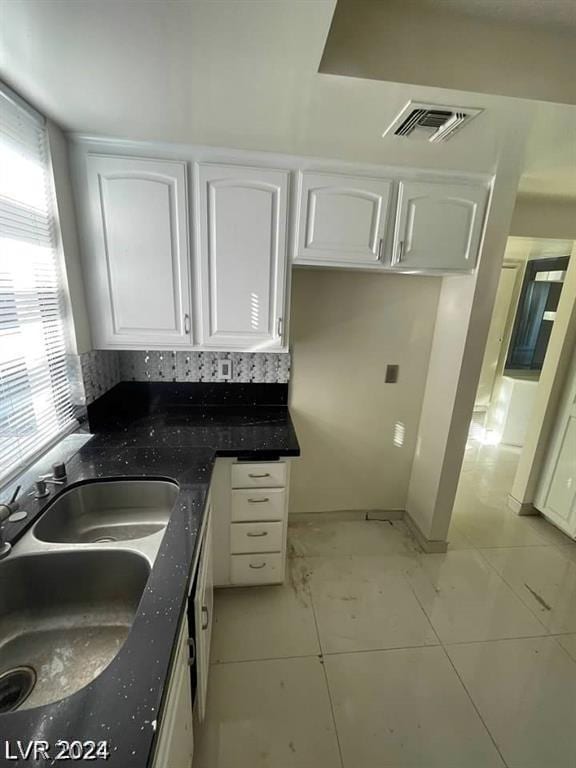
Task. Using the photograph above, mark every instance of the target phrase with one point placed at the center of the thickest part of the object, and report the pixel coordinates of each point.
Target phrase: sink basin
(108, 511)
(63, 617)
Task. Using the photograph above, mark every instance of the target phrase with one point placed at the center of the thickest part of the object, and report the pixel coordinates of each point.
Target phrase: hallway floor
(374, 655)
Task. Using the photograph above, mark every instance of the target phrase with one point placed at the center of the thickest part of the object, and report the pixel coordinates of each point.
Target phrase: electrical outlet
(225, 369)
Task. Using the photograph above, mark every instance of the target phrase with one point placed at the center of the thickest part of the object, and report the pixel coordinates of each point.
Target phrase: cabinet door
(341, 218)
(203, 609)
(438, 226)
(175, 745)
(243, 256)
(140, 287)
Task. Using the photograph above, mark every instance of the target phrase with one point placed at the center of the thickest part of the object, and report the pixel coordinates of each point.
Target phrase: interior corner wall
(357, 433)
(69, 233)
(544, 217)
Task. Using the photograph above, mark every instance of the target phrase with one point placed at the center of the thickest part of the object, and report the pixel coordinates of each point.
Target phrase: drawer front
(255, 537)
(263, 475)
(256, 569)
(248, 505)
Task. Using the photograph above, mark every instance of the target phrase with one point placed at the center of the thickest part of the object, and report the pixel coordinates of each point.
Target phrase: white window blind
(35, 404)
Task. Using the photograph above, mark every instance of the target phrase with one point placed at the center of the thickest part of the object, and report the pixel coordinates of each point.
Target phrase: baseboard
(346, 515)
(430, 546)
(521, 508)
(385, 514)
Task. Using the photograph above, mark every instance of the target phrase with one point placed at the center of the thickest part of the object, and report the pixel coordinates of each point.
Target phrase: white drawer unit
(251, 499)
(246, 538)
(265, 474)
(256, 505)
(257, 569)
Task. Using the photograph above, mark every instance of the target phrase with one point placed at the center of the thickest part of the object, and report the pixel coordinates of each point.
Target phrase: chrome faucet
(5, 511)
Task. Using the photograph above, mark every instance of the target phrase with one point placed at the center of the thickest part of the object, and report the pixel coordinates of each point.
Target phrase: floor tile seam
(514, 591)
(473, 703)
(325, 675)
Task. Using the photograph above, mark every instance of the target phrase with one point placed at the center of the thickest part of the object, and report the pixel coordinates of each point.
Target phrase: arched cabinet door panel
(138, 276)
(341, 219)
(243, 274)
(438, 226)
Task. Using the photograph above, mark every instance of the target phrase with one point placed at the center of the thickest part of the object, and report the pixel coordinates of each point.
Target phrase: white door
(438, 226)
(495, 340)
(341, 218)
(203, 610)
(139, 289)
(556, 495)
(243, 256)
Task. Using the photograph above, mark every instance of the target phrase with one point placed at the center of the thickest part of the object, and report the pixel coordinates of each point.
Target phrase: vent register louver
(430, 122)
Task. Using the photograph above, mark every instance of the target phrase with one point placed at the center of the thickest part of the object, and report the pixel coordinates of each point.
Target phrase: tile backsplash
(102, 369)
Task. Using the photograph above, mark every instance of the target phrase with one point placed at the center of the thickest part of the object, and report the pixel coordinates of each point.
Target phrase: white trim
(17, 100)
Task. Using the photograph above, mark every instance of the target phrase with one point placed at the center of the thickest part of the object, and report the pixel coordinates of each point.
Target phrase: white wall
(464, 313)
(345, 327)
(544, 217)
(80, 328)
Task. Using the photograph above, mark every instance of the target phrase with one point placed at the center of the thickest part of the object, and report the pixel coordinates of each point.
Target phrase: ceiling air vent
(430, 122)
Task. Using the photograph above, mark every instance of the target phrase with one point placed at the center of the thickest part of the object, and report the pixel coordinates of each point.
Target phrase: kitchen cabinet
(203, 613)
(251, 526)
(242, 215)
(137, 253)
(438, 225)
(341, 219)
(175, 743)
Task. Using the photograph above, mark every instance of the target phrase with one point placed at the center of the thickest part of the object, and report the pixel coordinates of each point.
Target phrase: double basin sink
(70, 588)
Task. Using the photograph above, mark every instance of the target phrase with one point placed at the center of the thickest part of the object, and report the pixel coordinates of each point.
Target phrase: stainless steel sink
(64, 615)
(119, 510)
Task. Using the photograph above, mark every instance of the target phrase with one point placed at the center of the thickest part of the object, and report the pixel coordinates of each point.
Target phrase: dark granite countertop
(138, 435)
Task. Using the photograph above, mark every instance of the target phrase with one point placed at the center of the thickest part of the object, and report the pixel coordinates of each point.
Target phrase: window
(35, 404)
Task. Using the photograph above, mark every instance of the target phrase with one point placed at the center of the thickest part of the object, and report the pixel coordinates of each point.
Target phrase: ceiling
(244, 74)
(560, 13)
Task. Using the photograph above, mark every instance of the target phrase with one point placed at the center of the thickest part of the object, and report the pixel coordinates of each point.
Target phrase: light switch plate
(225, 369)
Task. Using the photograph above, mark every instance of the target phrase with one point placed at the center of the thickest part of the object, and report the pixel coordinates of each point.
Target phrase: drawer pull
(258, 501)
(205, 617)
(257, 535)
(264, 474)
(257, 567)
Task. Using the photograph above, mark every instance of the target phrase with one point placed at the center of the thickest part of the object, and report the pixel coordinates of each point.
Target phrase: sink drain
(104, 540)
(15, 687)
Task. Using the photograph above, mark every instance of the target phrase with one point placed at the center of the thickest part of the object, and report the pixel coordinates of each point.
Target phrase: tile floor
(374, 655)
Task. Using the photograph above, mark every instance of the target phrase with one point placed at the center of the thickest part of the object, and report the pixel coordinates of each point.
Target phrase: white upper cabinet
(341, 219)
(138, 260)
(438, 226)
(242, 231)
